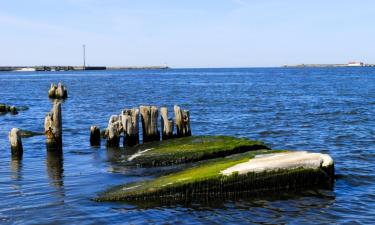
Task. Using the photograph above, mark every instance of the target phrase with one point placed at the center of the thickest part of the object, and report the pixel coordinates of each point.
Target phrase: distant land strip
(331, 65)
(70, 68)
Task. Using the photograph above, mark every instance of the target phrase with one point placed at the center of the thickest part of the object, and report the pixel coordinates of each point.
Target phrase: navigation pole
(84, 57)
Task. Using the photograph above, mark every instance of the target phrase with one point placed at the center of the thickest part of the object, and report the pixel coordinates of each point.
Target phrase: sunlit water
(322, 110)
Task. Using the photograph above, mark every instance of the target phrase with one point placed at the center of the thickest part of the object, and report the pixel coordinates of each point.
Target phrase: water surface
(322, 110)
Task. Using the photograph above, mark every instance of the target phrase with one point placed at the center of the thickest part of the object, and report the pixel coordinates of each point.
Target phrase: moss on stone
(206, 181)
(190, 149)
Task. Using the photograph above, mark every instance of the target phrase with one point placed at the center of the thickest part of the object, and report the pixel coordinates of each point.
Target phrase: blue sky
(186, 33)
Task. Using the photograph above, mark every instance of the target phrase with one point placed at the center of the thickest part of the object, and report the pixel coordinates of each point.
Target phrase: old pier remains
(126, 125)
(53, 127)
(16, 143)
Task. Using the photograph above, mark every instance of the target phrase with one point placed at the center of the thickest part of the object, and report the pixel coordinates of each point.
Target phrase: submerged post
(166, 124)
(94, 136)
(149, 117)
(130, 124)
(15, 142)
(113, 131)
(53, 127)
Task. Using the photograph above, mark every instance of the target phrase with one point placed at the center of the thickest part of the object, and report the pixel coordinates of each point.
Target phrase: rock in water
(53, 127)
(248, 174)
(190, 149)
(15, 142)
(94, 136)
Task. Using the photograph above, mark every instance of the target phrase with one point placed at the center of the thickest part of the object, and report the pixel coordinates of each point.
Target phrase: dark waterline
(329, 110)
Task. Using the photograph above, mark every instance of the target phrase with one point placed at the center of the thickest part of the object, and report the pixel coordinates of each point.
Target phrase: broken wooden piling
(182, 118)
(130, 125)
(94, 136)
(15, 142)
(53, 127)
(58, 92)
(113, 131)
(149, 116)
(166, 124)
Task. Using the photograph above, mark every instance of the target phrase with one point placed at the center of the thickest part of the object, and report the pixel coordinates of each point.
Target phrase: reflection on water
(16, 167)
(321, 110)
(55, 169)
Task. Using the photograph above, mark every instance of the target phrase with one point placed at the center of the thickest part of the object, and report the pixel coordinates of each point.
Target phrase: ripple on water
(321, 110)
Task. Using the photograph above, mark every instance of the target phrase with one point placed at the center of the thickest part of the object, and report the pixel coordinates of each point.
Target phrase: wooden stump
(94, 136)
(53, 127)
(15, 142)
(166, 124)
(149, 117)
(130, 125)
(182, 118)
(186, 123)
(52, 91)
(113, 131)
(58, 92)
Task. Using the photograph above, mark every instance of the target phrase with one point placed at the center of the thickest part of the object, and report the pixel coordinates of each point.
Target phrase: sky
(186, 33)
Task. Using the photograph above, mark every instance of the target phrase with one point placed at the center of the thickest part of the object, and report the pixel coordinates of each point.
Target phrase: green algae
(205, 181)
(27, 133)
(190, 149)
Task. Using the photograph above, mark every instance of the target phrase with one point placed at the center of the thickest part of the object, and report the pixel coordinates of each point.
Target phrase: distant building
(356, 64)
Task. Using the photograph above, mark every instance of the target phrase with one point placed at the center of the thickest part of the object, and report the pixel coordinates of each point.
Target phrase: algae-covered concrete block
(250, 173)
(190, 149)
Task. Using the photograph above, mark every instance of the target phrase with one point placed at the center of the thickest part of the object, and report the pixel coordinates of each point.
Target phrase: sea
(325, 110)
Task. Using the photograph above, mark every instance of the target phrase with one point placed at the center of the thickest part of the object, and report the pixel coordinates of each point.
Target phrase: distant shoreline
(76, 68)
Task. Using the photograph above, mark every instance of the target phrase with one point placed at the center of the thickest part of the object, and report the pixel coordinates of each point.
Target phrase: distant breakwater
(78, 68)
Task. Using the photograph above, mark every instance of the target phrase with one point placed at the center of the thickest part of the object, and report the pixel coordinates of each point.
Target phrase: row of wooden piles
(126, 125)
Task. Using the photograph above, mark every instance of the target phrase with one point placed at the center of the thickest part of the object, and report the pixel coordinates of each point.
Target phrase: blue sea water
(328, 110)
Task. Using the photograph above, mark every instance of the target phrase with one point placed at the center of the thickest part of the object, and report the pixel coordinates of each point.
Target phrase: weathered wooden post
(15, 142)
(52, 91)
(186, 123)
(113, 131)
(130, 124)
(94, 136)
(182, 118)
(61, 92)
(166, 124)
(149, 117)
(53, 127)
(57, 92)
(178, 120)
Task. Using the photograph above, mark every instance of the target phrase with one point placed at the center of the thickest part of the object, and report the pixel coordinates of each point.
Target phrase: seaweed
(205, 181)
(190, 149)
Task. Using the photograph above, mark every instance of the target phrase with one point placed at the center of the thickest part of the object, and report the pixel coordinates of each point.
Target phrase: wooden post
(94, 136)
(61, 91)
(15, 142)
(186, 123)
(53, 127)
(58, 92)
(166, 124)
(130, 125)
(149, 117)
(182, 118)
(178, 119)
(113, 131)
(52, 91)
